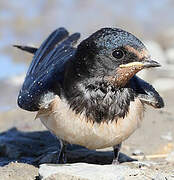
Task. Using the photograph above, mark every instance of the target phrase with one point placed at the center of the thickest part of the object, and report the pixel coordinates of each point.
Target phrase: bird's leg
(62, 154)
(116, 149)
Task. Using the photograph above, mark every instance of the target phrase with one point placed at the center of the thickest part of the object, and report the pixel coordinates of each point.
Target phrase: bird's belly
(75, 129)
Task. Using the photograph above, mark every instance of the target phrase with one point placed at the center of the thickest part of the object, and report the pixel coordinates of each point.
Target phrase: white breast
(75, 129)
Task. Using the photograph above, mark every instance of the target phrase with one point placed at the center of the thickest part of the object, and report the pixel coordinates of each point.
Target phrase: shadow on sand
(42, 147)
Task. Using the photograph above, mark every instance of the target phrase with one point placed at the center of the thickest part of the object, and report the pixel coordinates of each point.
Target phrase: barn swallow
(89, 94)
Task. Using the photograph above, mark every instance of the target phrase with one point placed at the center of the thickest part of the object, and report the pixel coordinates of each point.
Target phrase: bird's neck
(98, 100)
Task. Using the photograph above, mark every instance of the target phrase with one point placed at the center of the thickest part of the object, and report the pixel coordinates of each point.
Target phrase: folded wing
(146, 92)
(45, 73)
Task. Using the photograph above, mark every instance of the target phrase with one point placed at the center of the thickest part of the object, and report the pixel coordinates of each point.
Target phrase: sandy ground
(18, 171)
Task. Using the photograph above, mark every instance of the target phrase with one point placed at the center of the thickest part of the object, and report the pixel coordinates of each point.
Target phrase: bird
(88, 93)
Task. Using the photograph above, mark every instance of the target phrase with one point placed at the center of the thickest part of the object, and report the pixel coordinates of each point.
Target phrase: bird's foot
(62, 159)
(116, 154)
(115, 162)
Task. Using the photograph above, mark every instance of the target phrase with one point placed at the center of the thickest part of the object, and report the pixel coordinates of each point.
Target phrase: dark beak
(141, 64)
(150, 63)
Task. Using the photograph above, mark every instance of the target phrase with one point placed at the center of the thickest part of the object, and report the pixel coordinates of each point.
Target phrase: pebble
(137, 152)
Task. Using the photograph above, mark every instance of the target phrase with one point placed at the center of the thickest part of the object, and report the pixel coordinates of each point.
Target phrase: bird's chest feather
(78, 128)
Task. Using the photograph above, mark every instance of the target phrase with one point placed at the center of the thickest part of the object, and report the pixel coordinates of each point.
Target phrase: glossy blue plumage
(47, 68)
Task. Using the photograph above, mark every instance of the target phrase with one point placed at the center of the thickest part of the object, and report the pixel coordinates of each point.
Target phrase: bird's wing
(146, 92)
(45, 73)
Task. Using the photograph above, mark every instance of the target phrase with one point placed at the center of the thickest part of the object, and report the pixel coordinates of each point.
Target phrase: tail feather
(29, 49)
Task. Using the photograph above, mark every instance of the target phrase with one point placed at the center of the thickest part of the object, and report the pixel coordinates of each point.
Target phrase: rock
(83, 171)
(18, 171)
(170, 55)
(164, 84)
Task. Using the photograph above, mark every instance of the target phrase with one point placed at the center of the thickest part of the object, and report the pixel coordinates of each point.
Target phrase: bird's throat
(122, 75)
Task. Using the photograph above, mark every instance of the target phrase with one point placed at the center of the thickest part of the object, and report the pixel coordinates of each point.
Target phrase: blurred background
(30, 22)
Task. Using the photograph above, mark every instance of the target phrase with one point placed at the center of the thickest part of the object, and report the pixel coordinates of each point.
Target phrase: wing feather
(45, 74)
(146, 92)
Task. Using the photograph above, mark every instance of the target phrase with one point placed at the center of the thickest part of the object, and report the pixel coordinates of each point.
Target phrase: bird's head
(113, 54)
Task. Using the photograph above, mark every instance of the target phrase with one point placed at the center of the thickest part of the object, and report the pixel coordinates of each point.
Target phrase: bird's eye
(118, 54)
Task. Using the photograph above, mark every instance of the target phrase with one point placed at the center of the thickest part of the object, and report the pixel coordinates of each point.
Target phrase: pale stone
(83, 171)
